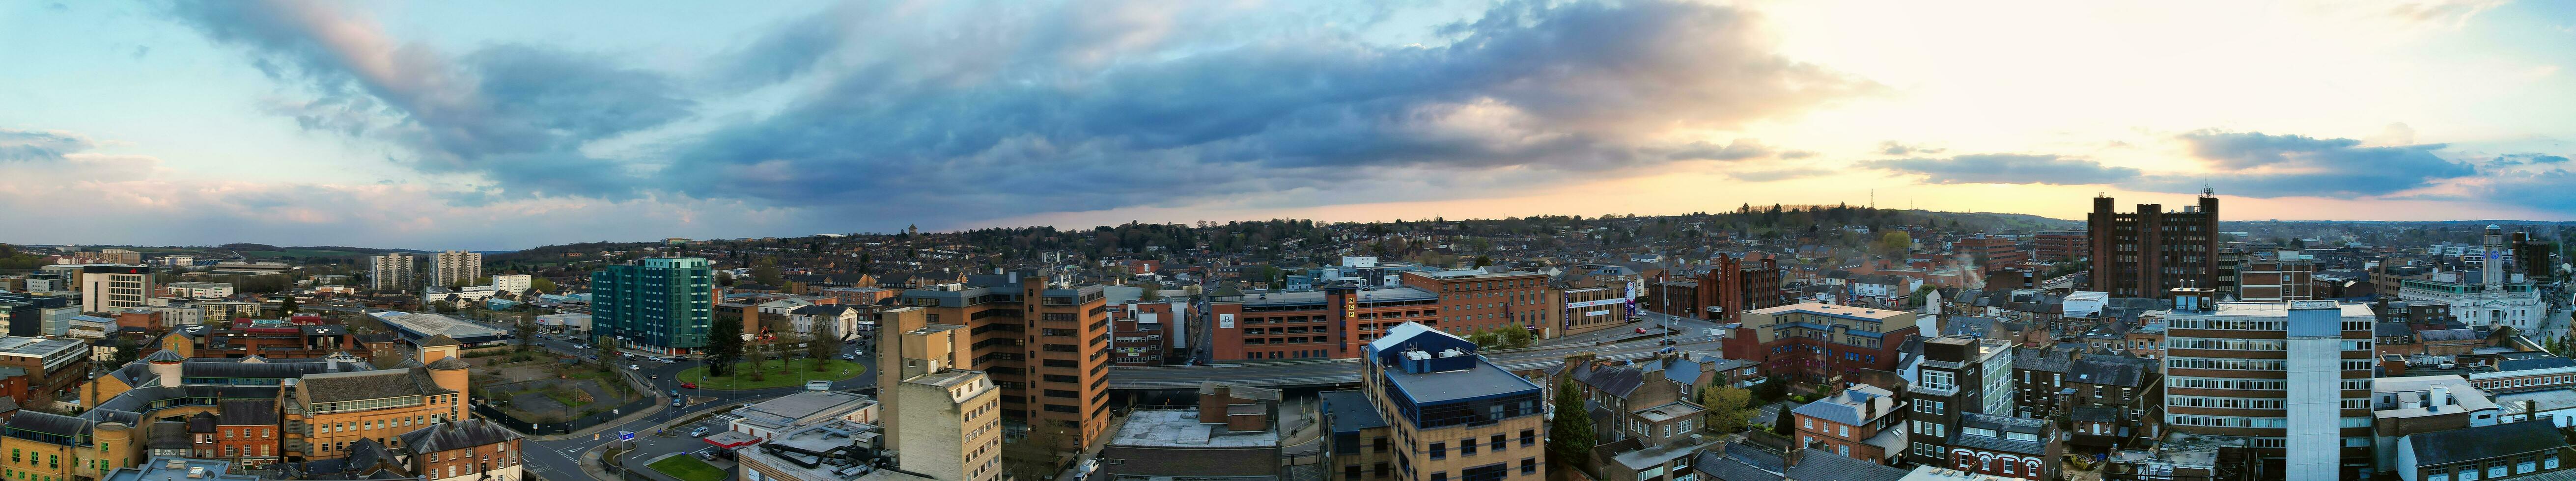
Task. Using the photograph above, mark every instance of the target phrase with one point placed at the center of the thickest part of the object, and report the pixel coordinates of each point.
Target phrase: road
(1692, 335)
(560, 459)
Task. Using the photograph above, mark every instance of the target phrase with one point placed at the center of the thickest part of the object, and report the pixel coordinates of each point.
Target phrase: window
(1529, 465)
(1807, 423)
(1351, 472)
(1467, 447)
(1530, 437)
(1497, 443)
(1844, 431)
(1439, 450)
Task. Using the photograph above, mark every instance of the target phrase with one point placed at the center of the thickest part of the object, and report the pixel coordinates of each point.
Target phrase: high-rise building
(663, 305)
(2062, 245)
(1044, 345)
(2292, 378)
(1455, 414)
(942, 420)
(112, 288)
(2147, 252)
(453, 267)
(391, 272)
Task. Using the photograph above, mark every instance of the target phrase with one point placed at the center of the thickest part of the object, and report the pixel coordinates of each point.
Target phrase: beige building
(946, 422)
(113, 288)
(390, 272)
(120, 256)
(454, 267)
(1455, 415)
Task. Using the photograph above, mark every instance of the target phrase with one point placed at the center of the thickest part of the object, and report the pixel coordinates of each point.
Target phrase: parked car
(1641, 330)
(677, 401)
(849, 357)
(699, 432)
(688, 385)
(633, 367)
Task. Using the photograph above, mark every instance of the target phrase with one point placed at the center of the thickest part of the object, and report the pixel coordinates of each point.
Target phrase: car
(632, 367)
(675, 393)
(688, 385)
(699, 432)
(849, 357)
(1641, 330)
(677, 401)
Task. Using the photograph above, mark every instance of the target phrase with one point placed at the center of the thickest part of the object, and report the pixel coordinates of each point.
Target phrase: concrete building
(390, 272)
(1458, 415)
(37, 314)
(454, 268)
(945, 420)
(772, 418)
(1230, 435)
(1817, 343)
(2150, 251)
(515, 284)
(658, 305)
(112, 288)
(198, 290)
(2293, 378)
(1038, 341)
(2403, 406)
(1961, 405)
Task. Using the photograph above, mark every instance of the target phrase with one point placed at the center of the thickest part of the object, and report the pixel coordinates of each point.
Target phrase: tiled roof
(369, 385)
(451, 435)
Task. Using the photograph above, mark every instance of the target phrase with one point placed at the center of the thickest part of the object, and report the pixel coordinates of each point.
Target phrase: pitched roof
(245, 413)
(438, 340)
(166, 435)
(1617, 381)
(2110, 370)
(369, 385)
(2481, 442)
(451, 435)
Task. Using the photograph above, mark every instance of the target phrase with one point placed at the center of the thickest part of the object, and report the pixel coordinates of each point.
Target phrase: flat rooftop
(2278, 309)
(1484, 379)
(1471, 274)
(1852, 312)
(35, 346)
(1180, 428)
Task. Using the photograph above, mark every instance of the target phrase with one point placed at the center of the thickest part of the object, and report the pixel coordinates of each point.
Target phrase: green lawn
(795, 374)
(688, 468)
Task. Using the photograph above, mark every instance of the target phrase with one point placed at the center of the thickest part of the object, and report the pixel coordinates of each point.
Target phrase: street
(560, 459)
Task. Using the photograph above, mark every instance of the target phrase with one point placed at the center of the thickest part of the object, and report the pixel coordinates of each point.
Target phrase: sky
(506, 125)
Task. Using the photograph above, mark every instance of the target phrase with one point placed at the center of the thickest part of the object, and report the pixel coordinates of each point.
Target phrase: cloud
(1739, 149)
(2260, 165)
(1010, 124)
(1778, 174)
(498, 111)
(1893, 148)
(2006, 169)
(35, 145)
(2508, 160)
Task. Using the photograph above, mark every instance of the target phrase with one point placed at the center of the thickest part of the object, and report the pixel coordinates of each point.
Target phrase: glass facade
(668, 303)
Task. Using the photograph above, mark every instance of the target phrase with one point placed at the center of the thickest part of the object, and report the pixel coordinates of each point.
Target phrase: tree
(287, 306)
(527, 332)
(1892, 244)
(1037, 455)
(541, 284)
(1729, 408)
(766, 273)
(126, 352)
(1569, 437)
(724, 278)
(724, 346)
(824, 341)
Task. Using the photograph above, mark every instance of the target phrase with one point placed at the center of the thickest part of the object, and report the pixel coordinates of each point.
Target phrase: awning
(731, 439)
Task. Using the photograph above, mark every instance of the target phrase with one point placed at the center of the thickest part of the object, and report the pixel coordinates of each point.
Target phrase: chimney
(2441, 397)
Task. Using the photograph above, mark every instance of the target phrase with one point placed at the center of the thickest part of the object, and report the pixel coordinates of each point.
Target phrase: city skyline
(482, 126)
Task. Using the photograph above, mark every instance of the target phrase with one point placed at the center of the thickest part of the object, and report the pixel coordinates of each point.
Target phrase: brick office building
(1336, 321)
(2061, 245)
(1816, 343)
(1473, 300)
(1734, 289)
(1045, 345)
(2149, 252)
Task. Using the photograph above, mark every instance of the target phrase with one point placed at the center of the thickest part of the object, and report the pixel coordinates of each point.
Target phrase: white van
(818, 385)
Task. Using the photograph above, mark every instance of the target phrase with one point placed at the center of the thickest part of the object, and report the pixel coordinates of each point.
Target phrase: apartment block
(455, 267)
(2293, 379)
(2147, 252)
(2275, 279)
(1045, 346)
(1731, 289)
(391, 272)
(1962, 413)
(662, 305)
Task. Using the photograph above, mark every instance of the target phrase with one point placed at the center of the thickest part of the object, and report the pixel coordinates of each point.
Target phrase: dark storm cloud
(510, 111)
(1063, 107)
(2258, 165)
(2006, 169)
